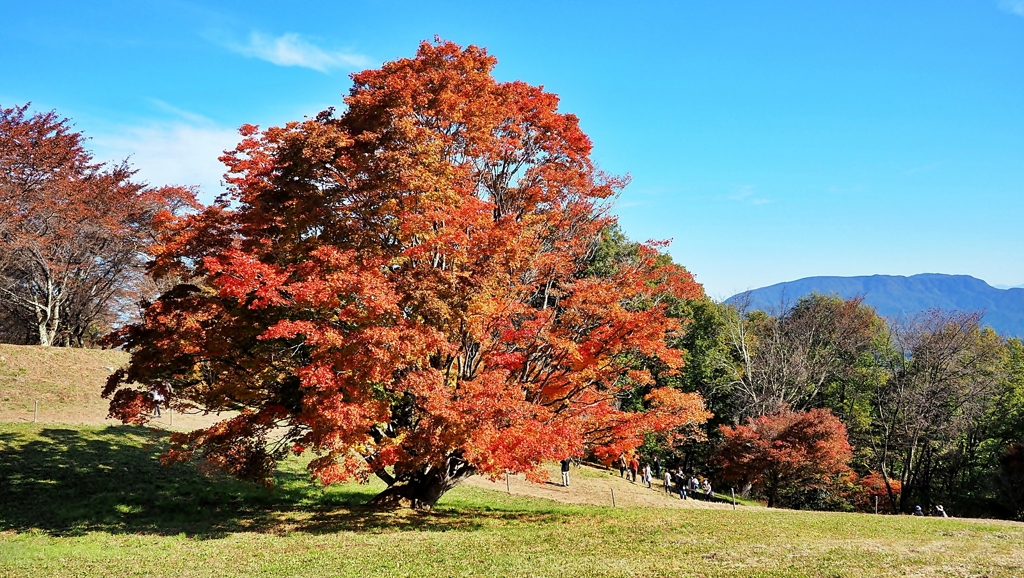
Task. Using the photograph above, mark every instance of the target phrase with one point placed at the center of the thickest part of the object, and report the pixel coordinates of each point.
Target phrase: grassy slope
(63, 381)
(93, 501)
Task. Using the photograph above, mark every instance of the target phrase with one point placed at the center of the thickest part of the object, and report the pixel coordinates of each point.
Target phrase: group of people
(687, 486)
(939, 511)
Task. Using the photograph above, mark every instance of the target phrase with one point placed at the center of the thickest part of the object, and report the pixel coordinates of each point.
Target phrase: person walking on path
(657, 466)
(622, 465)
(682, 482)
(709, 495)
(565, 472)
(668, 481)
(634, 465)
(647, 475)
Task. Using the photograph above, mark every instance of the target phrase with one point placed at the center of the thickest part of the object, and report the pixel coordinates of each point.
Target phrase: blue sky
(770, 140)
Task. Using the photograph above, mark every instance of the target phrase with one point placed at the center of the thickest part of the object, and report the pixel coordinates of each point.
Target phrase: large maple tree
(404, 290)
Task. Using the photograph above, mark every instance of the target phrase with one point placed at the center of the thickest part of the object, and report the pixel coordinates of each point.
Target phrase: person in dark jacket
(565, 471)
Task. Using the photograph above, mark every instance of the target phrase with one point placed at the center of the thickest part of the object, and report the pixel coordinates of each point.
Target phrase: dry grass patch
(66, 383)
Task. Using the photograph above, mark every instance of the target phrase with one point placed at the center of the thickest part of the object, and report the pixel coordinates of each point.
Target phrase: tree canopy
(786, 449)
(74, 234)
(408, 289)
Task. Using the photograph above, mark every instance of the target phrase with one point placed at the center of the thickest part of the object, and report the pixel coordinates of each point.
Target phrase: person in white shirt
(158, 398)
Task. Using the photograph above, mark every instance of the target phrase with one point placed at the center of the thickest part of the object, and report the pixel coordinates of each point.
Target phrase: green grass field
(93, 501)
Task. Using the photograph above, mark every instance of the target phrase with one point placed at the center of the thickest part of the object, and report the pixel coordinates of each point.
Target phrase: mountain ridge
(895, 296)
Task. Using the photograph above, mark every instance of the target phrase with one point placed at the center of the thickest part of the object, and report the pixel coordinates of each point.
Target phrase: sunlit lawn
(94, 502)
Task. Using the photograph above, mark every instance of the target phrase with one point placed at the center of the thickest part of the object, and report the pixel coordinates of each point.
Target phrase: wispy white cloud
(742, 193)
(748, 194)
(1012, 6)
(293, 50)
(844, 190)
(924, 168)
(181, 150)
(629, 204)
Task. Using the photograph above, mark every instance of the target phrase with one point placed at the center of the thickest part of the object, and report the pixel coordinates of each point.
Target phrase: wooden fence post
(613, 497)
(733, 492)
(35, 411)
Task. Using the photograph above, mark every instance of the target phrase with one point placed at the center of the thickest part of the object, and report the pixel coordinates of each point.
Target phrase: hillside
(64, 385)
(93, 500)
(895, 296)
(65, 382)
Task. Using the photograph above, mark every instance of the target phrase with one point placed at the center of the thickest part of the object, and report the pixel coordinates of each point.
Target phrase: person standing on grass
(694, 486)
(647, 475)
(682, 482)
(668, 481)
(158, 398)
(634, 465)
(565, 472)
(657, 466)
(622, 465)
(709, 495)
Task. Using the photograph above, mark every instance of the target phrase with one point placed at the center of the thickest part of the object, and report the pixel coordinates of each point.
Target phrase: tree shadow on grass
(70, 481)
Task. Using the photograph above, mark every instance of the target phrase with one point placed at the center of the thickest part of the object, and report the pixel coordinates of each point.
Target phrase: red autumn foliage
(870, 487)
(402, 290)
(784, 450)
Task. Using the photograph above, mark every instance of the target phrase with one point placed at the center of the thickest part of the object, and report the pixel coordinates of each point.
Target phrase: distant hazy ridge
(895, 296)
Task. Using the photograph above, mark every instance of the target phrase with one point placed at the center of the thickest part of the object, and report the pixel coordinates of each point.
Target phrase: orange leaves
(773, 451)
(131, 406)
(246, 279)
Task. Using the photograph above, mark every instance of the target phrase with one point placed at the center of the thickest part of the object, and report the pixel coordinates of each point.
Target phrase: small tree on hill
(785, 450)
(405, 290)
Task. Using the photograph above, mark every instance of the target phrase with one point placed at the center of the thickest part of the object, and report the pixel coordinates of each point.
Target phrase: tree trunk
(48, 318)
(888, 489)
(421, 490)
(773, 492)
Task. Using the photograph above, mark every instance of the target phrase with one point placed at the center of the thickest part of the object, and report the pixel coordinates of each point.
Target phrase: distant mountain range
(894, 296)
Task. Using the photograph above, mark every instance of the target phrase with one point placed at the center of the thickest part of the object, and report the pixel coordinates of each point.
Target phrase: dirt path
(97, 416)
(593, 486)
